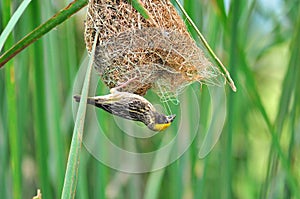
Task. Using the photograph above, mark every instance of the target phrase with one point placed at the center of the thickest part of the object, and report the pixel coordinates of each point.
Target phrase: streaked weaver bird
(131, 106)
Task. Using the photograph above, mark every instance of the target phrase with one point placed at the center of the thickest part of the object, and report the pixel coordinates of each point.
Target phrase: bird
(131, 106)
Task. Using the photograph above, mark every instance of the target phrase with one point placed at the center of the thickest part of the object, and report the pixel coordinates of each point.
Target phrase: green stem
(70, 182)
(211, 52)
(11, 113)
(12, 22)
(137, 4)
(53, 22)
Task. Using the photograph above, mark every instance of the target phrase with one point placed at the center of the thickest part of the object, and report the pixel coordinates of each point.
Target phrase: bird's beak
(171, 117)
(161, 127)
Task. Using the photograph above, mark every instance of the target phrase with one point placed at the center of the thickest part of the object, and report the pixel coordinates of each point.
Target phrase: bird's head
(161, 122)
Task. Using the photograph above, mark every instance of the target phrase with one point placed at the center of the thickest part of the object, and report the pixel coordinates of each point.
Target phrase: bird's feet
(122, 85)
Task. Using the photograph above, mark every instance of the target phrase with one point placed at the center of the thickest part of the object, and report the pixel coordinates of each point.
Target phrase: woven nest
(158, 53)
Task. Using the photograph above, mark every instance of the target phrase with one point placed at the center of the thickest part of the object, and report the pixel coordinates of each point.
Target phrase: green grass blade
(12, 22)
(264, 114)
(292, 150)
(155, 179)
(53, 22)
(256, 99)
(39, 108)
(82, 187)
(70, 182)
(137, 4)
(206, 45)
(11, 113)
(14, 137)
(219, 4)
(3, 157)
(292, 142)
(288, 89)
(54, 70)
(233, 62)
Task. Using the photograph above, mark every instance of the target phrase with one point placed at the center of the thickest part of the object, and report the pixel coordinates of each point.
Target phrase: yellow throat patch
(161, 127)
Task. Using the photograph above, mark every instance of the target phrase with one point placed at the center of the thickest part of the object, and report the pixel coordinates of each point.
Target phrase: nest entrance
(159, 54)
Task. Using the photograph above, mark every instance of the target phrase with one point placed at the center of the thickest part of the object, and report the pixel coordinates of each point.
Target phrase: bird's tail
(89, 99)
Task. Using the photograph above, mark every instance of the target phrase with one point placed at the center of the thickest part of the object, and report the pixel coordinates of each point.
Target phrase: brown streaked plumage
(131, 106)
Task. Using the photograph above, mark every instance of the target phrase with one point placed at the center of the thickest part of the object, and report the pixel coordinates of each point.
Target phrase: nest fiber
(158, 53)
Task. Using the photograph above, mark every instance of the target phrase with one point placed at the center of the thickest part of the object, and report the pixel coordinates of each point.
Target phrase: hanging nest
(159, 52)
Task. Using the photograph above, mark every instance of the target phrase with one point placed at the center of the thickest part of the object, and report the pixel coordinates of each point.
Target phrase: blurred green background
(257, 155)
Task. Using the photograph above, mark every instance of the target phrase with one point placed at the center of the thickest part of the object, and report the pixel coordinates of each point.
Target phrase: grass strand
(11, 108)
(53, 22)
(70, 182)
(211, 52)
(12, 22)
